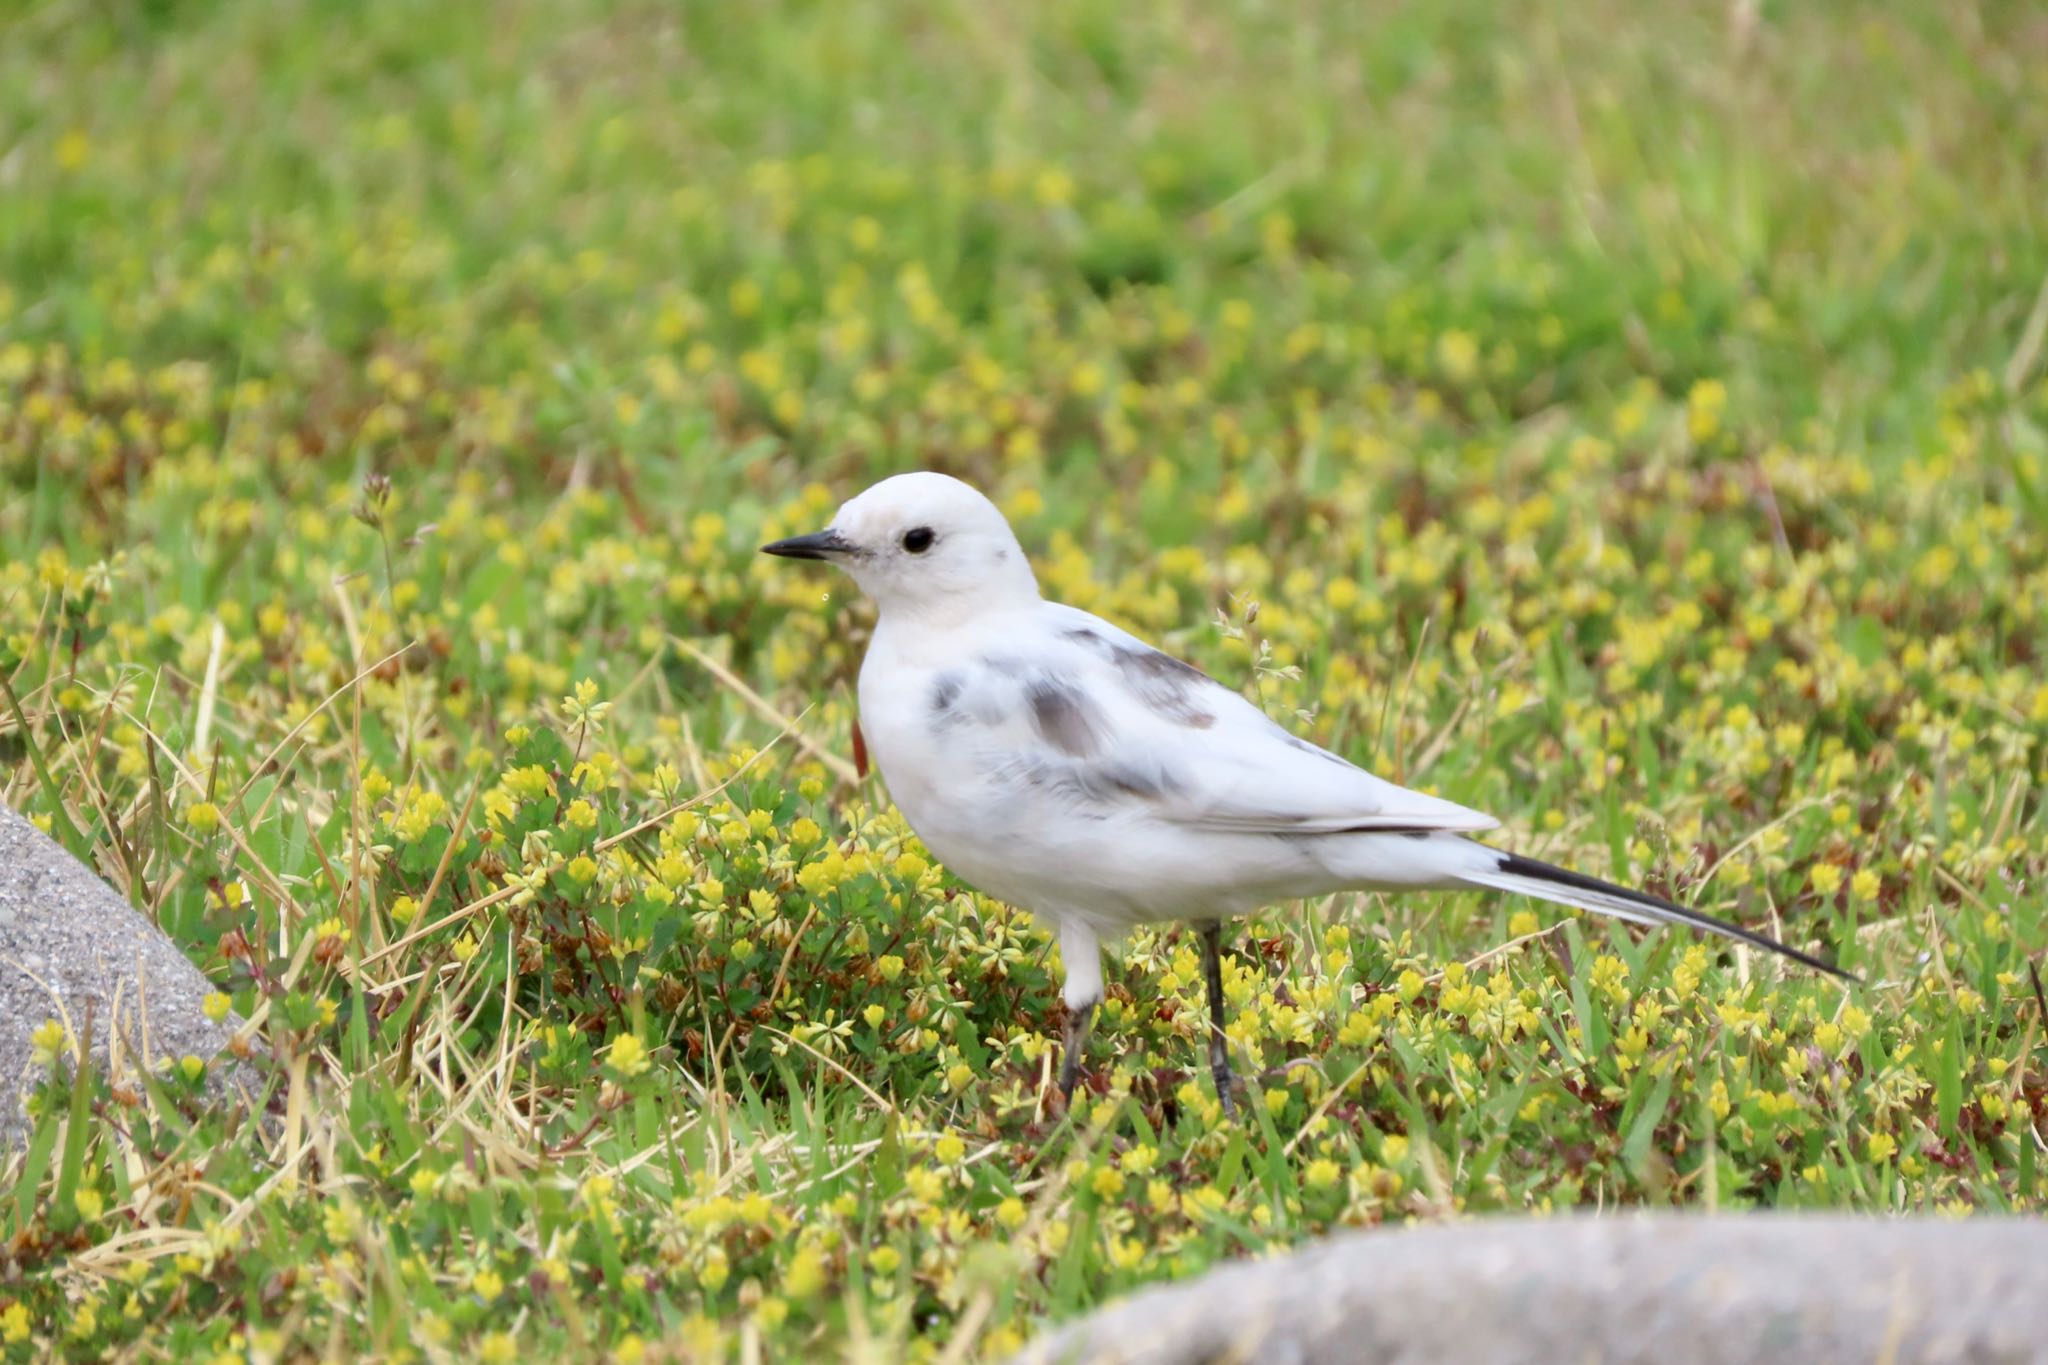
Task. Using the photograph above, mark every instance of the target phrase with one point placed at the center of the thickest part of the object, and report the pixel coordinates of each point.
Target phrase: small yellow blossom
(50, 1041)
(627, 1055)
(529, 783)
(805, 1274)
(342, 1220)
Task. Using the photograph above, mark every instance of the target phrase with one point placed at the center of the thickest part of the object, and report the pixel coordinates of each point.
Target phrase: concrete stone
(71, 945)
(1672, 1289)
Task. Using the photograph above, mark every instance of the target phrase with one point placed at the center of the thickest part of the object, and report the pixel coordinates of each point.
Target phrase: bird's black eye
(918, 539)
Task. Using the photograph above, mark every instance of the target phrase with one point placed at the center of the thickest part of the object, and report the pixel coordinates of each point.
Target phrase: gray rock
(71, 945)
(1671, 1288)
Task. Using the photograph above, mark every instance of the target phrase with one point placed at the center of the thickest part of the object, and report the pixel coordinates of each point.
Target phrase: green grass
(1628, 422)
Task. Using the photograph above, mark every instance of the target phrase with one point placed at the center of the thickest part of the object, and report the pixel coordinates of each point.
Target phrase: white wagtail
(1064, 765)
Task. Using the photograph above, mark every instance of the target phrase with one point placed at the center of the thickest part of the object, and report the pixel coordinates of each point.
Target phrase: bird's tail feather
(1528, 877)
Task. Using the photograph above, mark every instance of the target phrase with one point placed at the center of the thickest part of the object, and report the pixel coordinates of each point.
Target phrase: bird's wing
(1094, 713)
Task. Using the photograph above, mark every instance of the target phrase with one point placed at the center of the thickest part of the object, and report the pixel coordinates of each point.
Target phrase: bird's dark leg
(1219, 1043)
(1079, 1020)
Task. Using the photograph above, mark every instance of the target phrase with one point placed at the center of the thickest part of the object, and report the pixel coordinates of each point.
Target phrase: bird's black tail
(1528, 877)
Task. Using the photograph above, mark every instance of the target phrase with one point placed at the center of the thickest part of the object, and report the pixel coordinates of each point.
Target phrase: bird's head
(923, 544)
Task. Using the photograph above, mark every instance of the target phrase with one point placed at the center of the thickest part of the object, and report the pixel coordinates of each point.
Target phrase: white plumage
(1062, 764)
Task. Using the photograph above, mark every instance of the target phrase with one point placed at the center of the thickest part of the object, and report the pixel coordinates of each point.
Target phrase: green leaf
(77, 1132)
(1948, 1078)
(542, 746)
(53, 795)
(1635, 1148)
(1862, 638)
(40, 1145)
(1592, 1022)
(423, 854)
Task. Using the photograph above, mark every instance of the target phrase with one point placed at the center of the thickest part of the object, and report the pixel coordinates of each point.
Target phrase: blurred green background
(1626, 419)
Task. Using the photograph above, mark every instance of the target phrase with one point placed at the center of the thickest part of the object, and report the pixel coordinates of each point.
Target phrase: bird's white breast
(938, 778)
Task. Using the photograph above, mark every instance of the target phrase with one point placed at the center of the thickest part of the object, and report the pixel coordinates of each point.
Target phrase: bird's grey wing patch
(945, 692)
(1167, 686)
(968, 695)
(1065, 718)
(1098, 789)
(1053, 736)
(1134, 779)
(1296, 742)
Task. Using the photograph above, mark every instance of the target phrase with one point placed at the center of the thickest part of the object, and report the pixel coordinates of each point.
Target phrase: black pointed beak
(817, 545)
